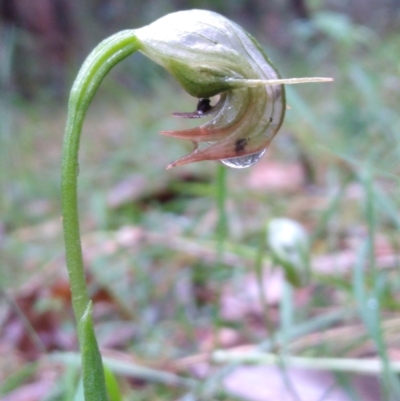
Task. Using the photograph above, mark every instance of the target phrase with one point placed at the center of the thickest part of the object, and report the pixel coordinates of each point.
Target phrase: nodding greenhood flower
(210, 55)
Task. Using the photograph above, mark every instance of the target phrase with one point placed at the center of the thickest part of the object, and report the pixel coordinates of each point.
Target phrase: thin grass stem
(360, 366)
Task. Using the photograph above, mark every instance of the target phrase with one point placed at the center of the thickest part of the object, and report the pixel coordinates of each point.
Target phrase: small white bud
(289, 245)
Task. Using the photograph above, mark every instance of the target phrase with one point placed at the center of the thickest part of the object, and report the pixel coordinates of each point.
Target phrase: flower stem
(106, 55)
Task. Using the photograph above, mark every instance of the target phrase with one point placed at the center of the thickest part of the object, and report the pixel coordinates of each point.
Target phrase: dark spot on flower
(240, 145)
(203, 106)
(202, 109)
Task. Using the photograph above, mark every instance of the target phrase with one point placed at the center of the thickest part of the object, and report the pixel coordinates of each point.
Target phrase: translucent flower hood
(210, 55)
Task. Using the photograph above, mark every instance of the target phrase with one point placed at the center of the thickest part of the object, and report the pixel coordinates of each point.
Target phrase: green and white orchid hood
(210, 55)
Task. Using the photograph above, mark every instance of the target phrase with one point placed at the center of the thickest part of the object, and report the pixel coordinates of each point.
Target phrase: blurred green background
(172, 275)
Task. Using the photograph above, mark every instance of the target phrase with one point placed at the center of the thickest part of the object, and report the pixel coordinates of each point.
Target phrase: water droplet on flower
(243, 161)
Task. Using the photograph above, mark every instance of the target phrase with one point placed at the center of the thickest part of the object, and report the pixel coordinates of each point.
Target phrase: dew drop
(243, 161)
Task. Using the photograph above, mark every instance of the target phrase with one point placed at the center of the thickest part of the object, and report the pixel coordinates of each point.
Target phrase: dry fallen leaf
(276, 176)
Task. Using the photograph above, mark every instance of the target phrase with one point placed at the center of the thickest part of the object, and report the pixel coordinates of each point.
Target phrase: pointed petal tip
(177, 163)
(190, 134)
(166, 133)
(190, 158)
(200, 134)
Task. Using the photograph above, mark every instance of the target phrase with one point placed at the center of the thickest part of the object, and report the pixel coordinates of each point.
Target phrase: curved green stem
(106, 55)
